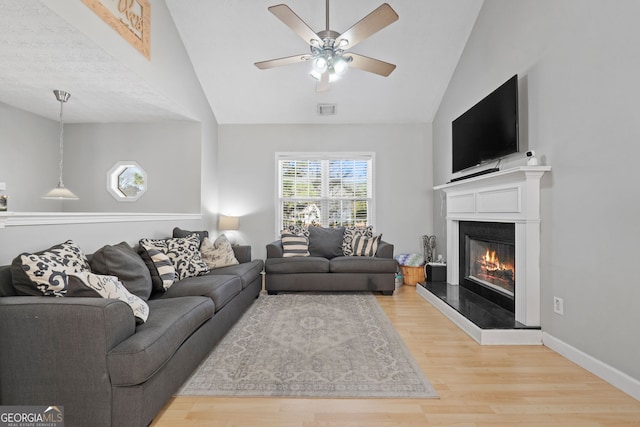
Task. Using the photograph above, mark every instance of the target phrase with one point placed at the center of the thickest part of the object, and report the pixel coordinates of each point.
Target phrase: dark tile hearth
(483, 313)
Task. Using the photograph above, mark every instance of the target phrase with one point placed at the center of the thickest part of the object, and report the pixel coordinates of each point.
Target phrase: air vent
(327, 109)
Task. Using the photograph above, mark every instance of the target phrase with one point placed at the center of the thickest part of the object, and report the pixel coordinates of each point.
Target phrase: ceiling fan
(328, 55)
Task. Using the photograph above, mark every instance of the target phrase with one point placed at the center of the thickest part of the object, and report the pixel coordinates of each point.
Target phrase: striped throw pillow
(163, 274)
(365, 246)
(294, 245)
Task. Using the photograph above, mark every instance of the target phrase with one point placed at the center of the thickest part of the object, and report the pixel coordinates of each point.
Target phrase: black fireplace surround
(492, 232)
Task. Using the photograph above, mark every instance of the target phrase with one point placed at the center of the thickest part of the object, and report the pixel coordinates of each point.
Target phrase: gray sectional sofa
(328, 266)
(90, 356)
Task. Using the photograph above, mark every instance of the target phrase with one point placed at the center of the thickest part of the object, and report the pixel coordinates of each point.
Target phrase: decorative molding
(130, 18)
(22, 219)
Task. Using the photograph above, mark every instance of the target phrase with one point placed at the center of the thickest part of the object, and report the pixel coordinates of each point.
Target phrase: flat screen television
(488, 130)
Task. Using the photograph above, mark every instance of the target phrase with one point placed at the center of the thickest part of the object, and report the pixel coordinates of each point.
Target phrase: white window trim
(302, 155)
(112, 181)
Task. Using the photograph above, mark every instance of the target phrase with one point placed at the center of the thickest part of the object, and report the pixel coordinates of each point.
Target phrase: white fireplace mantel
(511, 196)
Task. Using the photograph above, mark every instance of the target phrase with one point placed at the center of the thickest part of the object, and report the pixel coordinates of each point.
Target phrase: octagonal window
(126, 181)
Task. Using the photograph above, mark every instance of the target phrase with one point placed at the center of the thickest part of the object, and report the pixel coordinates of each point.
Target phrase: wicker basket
(412, 275)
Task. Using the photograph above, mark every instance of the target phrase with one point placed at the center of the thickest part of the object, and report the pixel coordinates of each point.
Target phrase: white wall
(90, 237)
(578, 63)
(247, 174)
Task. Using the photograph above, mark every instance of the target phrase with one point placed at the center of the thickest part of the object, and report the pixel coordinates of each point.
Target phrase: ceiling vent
(327, 109)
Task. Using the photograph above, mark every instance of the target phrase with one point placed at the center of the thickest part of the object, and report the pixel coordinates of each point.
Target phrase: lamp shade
(226, 222)
(60, 193)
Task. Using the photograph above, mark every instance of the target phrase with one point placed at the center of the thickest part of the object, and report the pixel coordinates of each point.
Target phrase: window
(126, 181)
(324, 189)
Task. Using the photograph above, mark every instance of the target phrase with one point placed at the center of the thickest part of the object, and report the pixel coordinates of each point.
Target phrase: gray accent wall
(169, 152)
(248, 180)
(28, 159)
(578, 65)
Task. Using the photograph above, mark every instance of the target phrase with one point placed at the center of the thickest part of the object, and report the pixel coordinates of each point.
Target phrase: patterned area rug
(311, 345)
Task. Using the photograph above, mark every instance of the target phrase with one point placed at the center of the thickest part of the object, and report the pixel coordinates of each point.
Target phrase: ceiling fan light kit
(329, 60)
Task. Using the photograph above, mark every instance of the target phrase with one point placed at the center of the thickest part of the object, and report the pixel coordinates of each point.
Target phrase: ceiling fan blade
(323, 84)
(293, 21)
(371, 65)
(372, 23)
(272, 63)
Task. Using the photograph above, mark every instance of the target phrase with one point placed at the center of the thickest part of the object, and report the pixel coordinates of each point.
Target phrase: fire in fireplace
(491, 264)
(487, 261)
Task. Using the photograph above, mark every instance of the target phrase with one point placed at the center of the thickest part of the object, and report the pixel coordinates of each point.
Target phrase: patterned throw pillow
(184, 254)
(299, 230)
(47, 270)
(365, 246)
(350, 233)
(219, 253)
(294, 245)
(108, 287)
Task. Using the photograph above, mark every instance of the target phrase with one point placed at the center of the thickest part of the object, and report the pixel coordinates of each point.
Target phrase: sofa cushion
(366, 246)
(161, 269)
(123, 262)
(351, 264)
(219, 253)
(85, 284)
(221, 289)
(246, 271)
(45, 272)
(325, 242)
(294, 245)
(297, 265)
(350, 233)
(171, 322)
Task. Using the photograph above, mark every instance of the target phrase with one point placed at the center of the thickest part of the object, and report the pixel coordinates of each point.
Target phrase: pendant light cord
(60, 183)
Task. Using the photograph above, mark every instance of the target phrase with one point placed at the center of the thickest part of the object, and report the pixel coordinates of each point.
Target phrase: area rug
(311, 345)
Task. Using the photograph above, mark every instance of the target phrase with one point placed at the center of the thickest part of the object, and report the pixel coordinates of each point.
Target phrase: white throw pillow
(111, 287)
(219, 253)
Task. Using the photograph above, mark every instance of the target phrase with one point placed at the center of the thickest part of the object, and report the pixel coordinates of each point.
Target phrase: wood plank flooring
(478, 386)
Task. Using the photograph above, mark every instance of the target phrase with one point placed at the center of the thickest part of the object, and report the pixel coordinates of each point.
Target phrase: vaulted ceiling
(223, 38)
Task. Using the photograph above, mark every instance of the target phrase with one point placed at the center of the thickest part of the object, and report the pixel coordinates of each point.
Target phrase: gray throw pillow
(325, 242)
(123, 261)
(180, 233)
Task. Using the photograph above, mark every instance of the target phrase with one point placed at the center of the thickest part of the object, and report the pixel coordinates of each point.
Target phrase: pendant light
(60, 192)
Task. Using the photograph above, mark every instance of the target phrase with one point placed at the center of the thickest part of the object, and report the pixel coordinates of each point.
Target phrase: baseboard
(608, 373)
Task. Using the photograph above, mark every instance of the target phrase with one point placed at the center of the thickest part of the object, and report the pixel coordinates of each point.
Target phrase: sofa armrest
(56, 348)
(385, 250)
(242, 253)
(274, 249)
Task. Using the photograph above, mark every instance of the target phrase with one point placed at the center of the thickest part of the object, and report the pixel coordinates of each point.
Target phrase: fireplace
(508, 204)
(488, 261)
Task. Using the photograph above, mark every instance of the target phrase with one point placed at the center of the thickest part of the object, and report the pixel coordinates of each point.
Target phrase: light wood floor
(478, 386)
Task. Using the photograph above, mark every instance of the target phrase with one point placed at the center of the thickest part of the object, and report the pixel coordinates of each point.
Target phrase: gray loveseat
(327, 268)
(90, 356)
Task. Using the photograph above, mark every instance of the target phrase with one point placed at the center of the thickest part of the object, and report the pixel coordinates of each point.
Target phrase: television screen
(488, 130)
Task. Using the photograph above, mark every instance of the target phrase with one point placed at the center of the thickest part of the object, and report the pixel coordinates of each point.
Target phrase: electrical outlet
(558, 305)
(3, 186)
